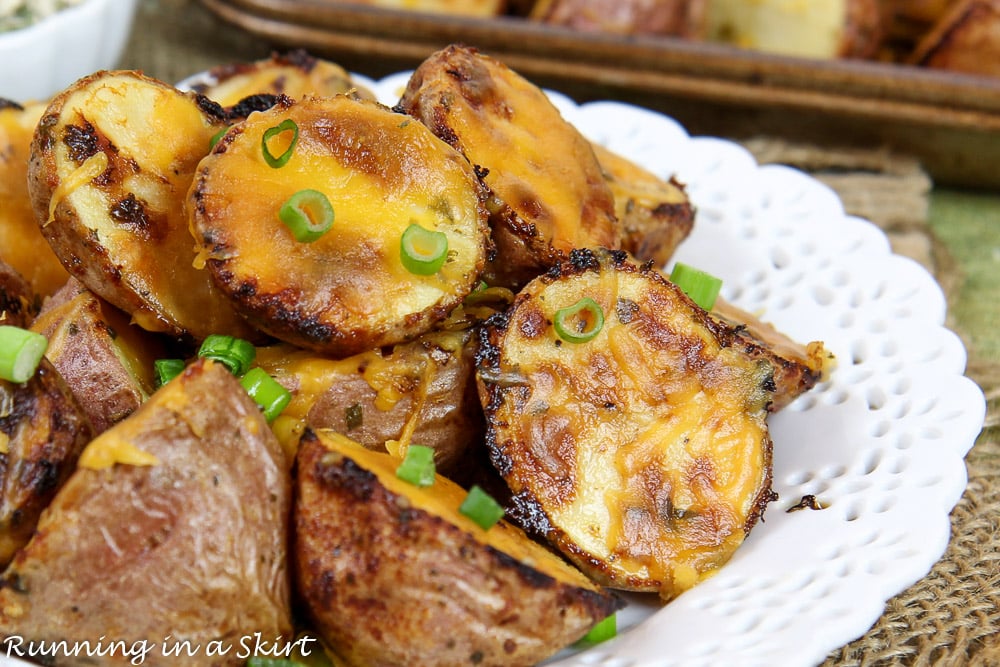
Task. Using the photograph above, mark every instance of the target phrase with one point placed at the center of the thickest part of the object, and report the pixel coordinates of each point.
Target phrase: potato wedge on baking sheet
(22, 245)
(679, 18)
(630, 426)
(393, 574)
(965, 39)
(377, 178)
(174, 525)
(549, 194)
(42, 432)
(422, 392)
(111, 162)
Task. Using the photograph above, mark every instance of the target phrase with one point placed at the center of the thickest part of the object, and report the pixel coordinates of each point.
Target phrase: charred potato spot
(551, 193)
(646, 448)
(347, 291)
(109, 193)
(503, 598)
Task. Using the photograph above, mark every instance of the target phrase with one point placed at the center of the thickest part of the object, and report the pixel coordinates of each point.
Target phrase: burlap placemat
(948, 618)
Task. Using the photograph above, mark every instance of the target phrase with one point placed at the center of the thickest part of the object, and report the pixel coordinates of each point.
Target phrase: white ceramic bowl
(38, 61)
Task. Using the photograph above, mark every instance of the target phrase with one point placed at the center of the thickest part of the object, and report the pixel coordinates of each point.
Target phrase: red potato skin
(192, 548)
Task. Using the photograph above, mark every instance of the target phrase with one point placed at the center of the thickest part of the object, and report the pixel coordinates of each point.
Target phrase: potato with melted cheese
(296, 74)
(393, 574)
(22, 245)
(656, 215)
(797, 366)
(380, 175)
(111, 162)
(106, 361)
(629, 425)
(174, 524)
(421, 392)
(43, 429)
(549, 194)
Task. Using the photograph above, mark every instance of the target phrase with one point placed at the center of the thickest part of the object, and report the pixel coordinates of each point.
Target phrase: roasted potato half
(18, 303)
(797, 366)
(629, 425)
(382, 177)
(106, 361)
(22, 245)
(549, 194)
(966, 39)
(296, 74)
(174, 524)
(656, 215)
(422, 392)
(393, 574)
(42, 432)
(111, 164)
(679, 18)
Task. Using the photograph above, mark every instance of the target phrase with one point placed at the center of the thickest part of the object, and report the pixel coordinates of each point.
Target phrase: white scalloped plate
(881, 445)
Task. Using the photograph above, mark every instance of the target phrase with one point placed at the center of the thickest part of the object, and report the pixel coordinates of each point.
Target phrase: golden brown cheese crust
(656, 215)
(549, 194)
(42, 432)
(295, 74)
(347, 291)
(192, 547)
(22, 245)
(642, 454)
(392, 574)
(111, 163)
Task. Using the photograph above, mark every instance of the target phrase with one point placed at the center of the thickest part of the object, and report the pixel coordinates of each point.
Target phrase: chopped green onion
(703, 288)
(167, 369)
(417, 467)
(217, 137)
(481, 508)
(20, 353)
(266, 391)
(422, 251)
(308, 214)
(354, 416)
(287, 125)
(580, 322)
(602, 631)
(273, 662)
(235, 353)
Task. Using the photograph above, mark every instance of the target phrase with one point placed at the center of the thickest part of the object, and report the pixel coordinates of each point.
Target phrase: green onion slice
(603, 631)
(273, 662)
(20, 353)
(580, 322)
(308, 214)
(422, 251)
(266, 391)
(217, 137)
(235, 353)
(481, 508)
(287, 125)
(703, 288)
(417, 467)
(166, 370)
